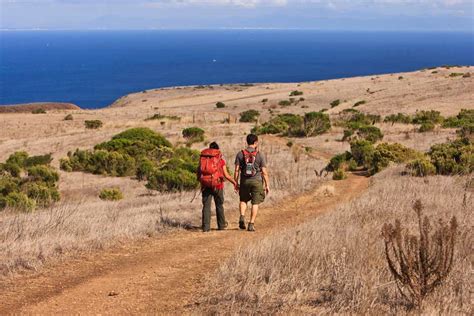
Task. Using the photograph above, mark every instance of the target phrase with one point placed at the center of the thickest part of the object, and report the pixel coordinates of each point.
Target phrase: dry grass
(27, 241)
(336, 263)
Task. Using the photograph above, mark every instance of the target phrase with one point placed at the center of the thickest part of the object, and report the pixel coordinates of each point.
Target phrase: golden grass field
(332, 263)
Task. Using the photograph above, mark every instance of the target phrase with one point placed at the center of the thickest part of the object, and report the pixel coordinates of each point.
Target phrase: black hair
(252, 139)
(213, 145)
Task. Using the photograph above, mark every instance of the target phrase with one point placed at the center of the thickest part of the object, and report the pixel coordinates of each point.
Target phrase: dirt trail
(159, 275)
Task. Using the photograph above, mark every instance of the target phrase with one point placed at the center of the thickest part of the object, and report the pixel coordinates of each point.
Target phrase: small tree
(220, 105)
(295, 93)
(419, 263)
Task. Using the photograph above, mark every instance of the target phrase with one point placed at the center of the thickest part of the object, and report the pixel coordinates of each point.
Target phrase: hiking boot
(242, 222)
(224, 227)
(251, 227)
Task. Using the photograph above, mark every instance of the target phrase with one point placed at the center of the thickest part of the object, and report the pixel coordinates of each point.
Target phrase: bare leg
(243, 208)
(254, 213)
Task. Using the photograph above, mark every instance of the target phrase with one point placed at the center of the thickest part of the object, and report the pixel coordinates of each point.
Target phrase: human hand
(236, 187)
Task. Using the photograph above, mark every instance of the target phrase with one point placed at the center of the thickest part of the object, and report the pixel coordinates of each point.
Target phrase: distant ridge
(28, 107)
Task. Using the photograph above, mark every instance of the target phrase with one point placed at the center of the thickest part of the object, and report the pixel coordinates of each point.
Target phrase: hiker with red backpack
(254, 184)
(212, 173)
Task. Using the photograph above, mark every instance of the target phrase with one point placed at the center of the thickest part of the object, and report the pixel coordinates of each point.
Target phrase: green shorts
(252, 190)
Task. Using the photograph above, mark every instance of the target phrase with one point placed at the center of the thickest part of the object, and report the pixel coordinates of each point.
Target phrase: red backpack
(211, 173)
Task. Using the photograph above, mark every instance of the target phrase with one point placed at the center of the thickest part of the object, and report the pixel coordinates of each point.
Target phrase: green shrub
(362, 151)
(69, 117)
(296, 93)
(339, 174)
(112, 194)
(220, 105)
(44, 194)
(335, 103)
(352, 165)
(359, 103)
(421, 167)
(193, 134)
(172, 180)
(289, 144)
(39, 111)
(144, 134)
(398, 118)
(467, 132)
(264, 100)
(464, 118)
(27, 181)
(432, 116)
(145, 168)
(426, 127)
(93, 124)
(284, 103)
(19, 201)
(339, 161)
(18, 158)
(456, 74)
(316, 123)
(249, 116)
(143, 153)
(43, 174)
(452, 158)
(370, 133)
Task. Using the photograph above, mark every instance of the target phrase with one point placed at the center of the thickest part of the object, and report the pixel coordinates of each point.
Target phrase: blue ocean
(94, 68)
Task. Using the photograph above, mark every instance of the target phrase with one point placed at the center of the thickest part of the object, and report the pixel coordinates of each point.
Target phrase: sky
(393, 15)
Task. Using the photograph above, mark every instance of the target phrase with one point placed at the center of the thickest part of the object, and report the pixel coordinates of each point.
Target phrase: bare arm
(237, 173)
(265, 179)
(229, 177)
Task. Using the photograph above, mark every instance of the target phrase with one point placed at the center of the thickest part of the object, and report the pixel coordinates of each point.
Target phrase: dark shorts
(252, 190)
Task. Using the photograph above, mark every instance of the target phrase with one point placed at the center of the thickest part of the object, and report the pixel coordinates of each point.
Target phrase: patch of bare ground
(336, 262)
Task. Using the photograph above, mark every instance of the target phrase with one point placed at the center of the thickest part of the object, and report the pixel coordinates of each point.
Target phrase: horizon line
(236, 28)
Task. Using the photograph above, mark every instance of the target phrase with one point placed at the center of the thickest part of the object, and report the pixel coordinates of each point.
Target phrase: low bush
(285, 103)
(249, 116)
(339, 174)
(316, 123)
(264, 100)
(296, 93)
(93, 124)
(426, 127)
(370, 133)
(421, 167)
(464, 118)
(27, 182)
(220, 105)
(38, 111)
(112, 194)
(432, 116)
(372, 158)
(456, 74)
(143, 153)
(69, 117)
(193, 134)
(452, 158)
(398, 118)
